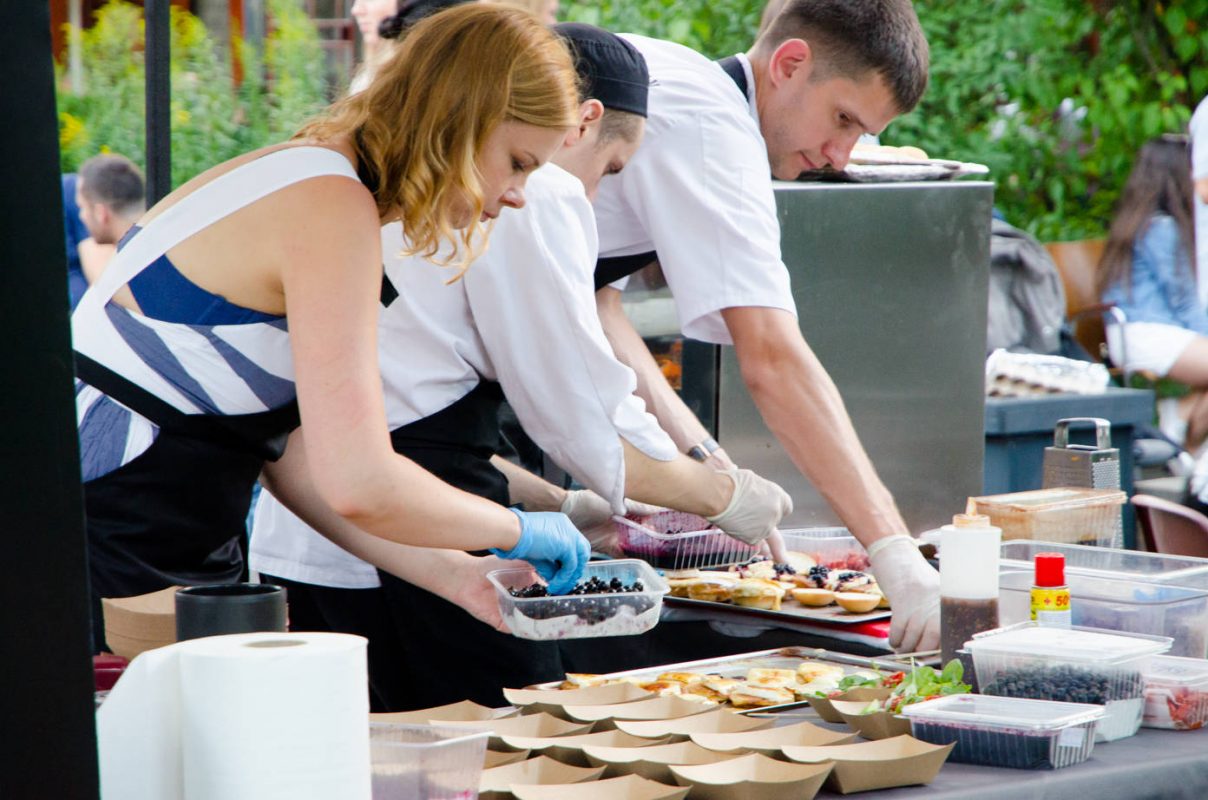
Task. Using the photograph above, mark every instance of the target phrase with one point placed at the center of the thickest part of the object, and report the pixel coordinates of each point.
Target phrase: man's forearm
(661, 400)
(534, 492)
(802, 407)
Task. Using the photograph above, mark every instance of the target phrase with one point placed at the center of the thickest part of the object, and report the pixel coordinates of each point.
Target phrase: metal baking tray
(736, 666)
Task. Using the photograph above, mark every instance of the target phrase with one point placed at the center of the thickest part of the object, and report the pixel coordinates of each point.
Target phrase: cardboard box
(884, 764)
(144, 622)
(555, 701)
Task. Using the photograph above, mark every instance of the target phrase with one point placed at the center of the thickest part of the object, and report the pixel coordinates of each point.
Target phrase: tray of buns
(888, 164)
(799, 590)
(765, 680)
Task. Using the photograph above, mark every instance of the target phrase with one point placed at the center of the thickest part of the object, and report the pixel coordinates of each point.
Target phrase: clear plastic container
(1176, 693)
(834, 548)
(677, 540)
(1116, 604)
(1078, 665)
(1007, 732)
(1071, 516)
(1106, 562)
(425, 762)
(583, 616)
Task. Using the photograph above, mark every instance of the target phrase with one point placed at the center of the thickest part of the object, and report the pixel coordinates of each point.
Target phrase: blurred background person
(74, 232)
(1148, 270)
(111, 196)
(369, 15)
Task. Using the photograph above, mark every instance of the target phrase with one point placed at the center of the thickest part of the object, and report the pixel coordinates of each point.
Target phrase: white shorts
(1151, 346)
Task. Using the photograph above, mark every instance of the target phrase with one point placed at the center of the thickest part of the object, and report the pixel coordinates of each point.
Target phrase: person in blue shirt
(1148, 270)
(74, 232)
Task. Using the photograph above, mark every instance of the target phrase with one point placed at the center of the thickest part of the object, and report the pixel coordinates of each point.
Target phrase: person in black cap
(521, 319)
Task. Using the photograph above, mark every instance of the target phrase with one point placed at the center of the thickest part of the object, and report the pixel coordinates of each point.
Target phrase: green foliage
(212, 118)
(1056, 96)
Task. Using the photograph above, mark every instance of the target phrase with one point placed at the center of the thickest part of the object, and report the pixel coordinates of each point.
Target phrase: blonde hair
(419, 126)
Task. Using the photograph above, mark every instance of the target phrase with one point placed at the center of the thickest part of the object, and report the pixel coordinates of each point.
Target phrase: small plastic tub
(583, 616)
(1007, 732)
(1071, 516)
(1077, 665)
(425, 762)
(834, 548)
(1176, 693)
(675, 540)
(1118, 604)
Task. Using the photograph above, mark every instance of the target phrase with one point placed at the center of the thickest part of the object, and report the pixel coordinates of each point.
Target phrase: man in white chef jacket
(523, 315)
(697, 197)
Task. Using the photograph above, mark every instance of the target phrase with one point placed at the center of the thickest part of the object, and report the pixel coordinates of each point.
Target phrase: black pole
(46, 692)
(158, 100)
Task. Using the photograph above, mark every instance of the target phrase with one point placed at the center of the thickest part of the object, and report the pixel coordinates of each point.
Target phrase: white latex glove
(755, 509)
(913, 589)
(592, 515)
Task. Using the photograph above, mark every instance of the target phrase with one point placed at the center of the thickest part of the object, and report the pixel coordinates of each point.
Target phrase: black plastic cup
(229, 608)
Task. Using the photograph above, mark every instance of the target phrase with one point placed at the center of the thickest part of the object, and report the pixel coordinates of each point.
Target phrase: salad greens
(923, 683)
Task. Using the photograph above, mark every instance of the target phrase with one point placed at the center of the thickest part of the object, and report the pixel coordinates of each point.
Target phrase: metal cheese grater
(1084, 466)
(1081, 465)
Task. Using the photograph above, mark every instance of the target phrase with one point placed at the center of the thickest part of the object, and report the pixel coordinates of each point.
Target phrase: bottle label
(1051, 605)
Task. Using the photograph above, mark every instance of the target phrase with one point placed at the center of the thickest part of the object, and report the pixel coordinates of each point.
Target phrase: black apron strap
(262, 434)
(614, 268)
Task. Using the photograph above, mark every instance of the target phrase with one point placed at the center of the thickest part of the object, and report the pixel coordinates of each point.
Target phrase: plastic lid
(1085, 645)
(1175, 671)
(1004, 712)
(1050, 569)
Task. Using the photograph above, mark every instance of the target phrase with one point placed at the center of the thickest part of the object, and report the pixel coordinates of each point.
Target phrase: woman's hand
(473, 592)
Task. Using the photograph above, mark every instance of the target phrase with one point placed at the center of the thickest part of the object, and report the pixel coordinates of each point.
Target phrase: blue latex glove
(552, 544)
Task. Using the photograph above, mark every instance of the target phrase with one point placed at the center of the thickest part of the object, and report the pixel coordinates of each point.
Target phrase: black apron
(612, 269)
(176, 514)
(428, 651)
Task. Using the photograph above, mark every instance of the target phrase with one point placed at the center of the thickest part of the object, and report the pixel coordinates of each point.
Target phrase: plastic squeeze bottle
(1050, 595)
(969, 550)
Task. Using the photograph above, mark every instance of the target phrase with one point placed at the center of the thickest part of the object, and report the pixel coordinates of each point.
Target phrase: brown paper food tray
(669, 707)
(630, 787)
(770, 741)
(498, 758)
(884, 764)
(464, 711)
(717, 720)
(879, 725)
(534, 725)
(495, 783)
(827, 712)
(554, 701)
(753, 777)
(737, 666)
(569, 749)
(653, 763)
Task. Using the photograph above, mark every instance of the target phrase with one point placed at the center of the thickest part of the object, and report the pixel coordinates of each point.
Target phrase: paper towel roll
(269, 716)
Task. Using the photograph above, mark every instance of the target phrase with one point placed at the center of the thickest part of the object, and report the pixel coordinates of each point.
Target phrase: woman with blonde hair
(246, 301)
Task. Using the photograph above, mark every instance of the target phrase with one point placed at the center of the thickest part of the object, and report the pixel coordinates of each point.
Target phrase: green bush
(1056, 96)
(212, 119)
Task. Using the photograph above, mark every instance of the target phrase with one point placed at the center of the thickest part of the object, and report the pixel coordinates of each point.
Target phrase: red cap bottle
(1050, 595)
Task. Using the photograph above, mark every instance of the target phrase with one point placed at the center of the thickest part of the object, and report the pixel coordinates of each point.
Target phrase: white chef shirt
(699, 193)
(1199, 169)
(524, 314)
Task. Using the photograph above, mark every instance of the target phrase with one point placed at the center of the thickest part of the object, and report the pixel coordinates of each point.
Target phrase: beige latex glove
(755, 509)
(913, 589)
(592, 515)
